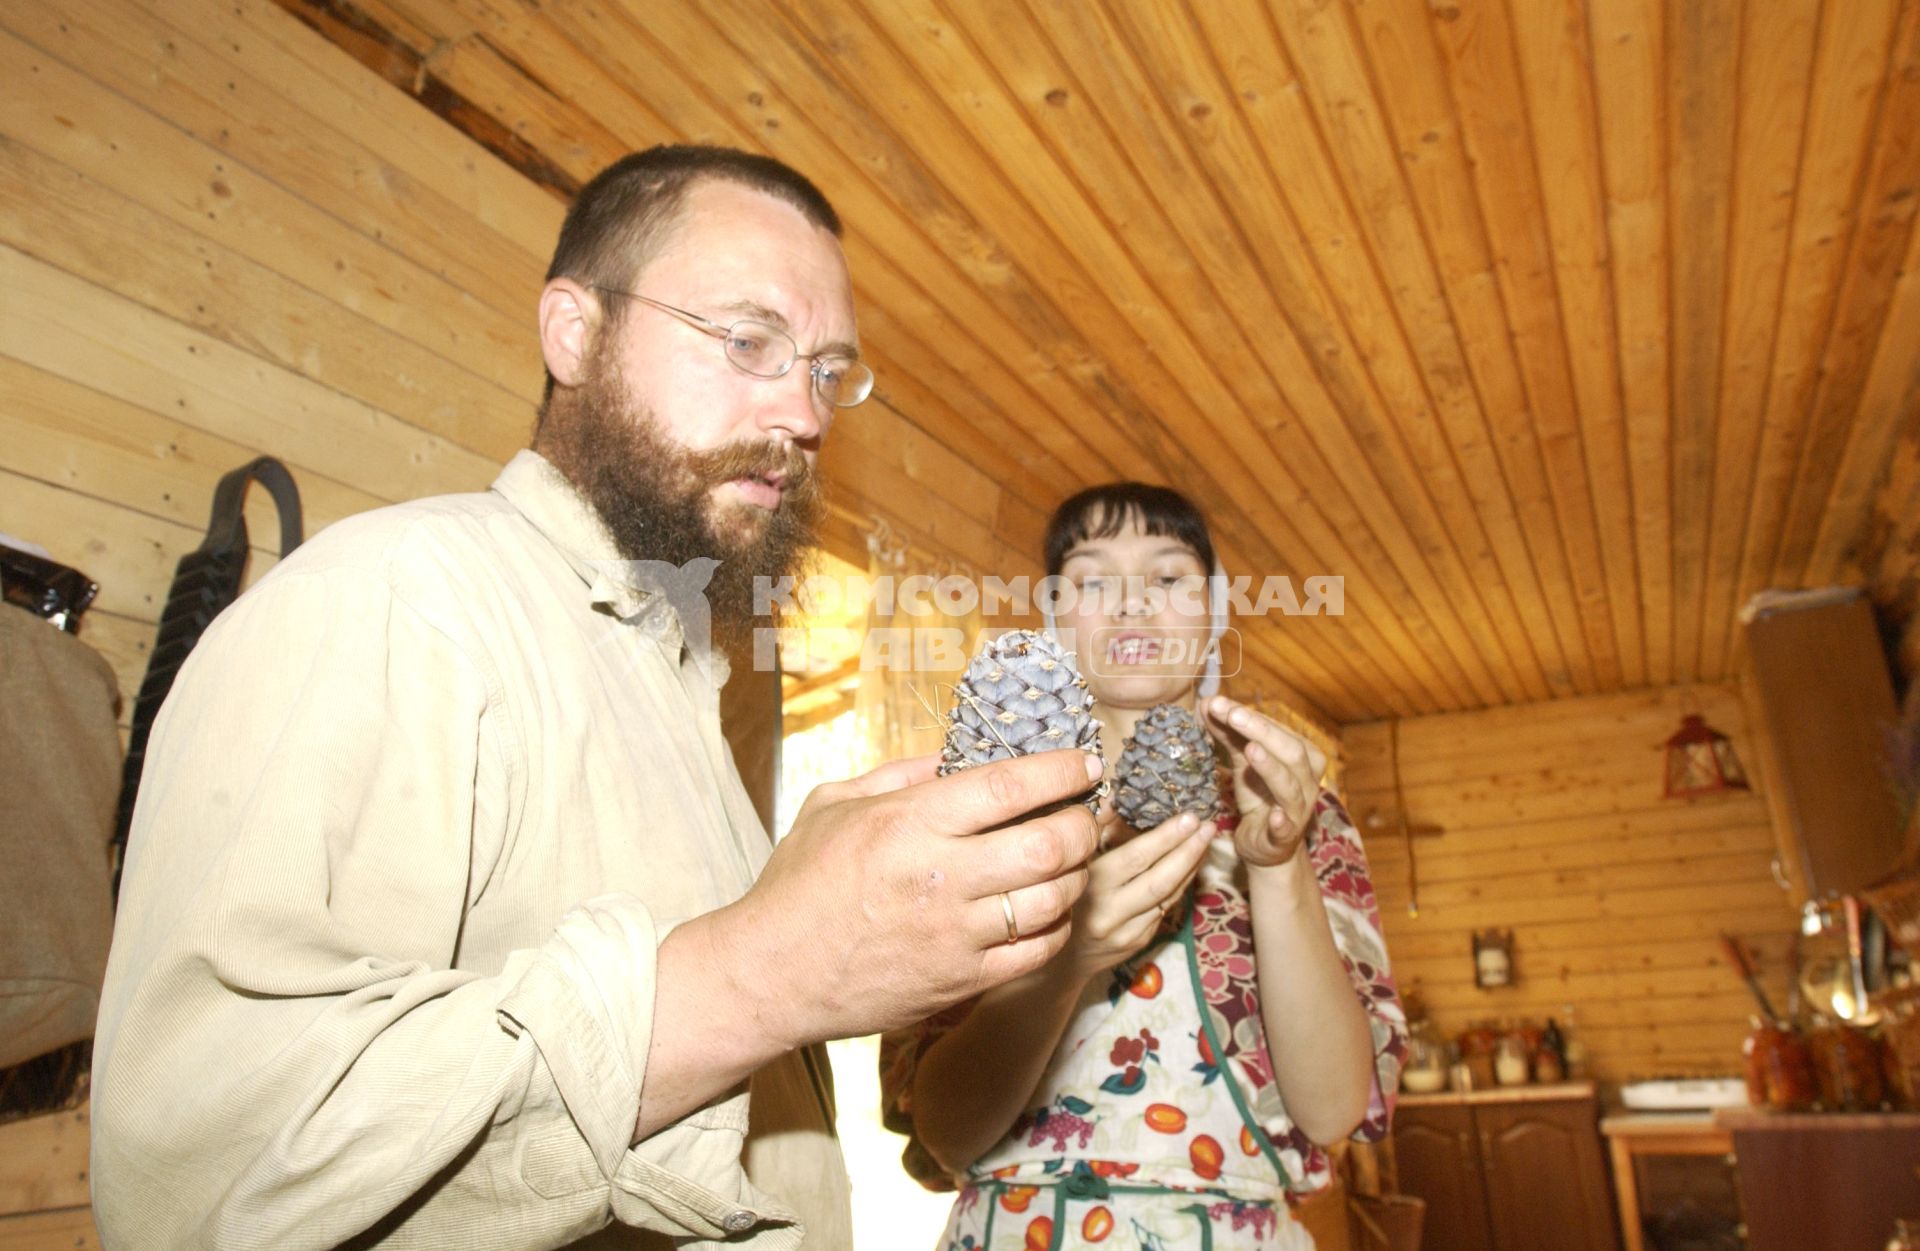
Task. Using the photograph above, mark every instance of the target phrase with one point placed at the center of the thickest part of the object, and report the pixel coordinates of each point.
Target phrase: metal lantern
(1700, 761)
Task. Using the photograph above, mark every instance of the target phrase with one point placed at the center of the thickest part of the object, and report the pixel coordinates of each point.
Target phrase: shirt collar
(547, 499)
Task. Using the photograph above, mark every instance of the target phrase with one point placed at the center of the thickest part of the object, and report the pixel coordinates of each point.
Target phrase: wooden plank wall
(1555, 827)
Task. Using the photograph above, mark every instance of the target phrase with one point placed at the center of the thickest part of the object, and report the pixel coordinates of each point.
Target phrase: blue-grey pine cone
(1166, 768)
(1021, 694)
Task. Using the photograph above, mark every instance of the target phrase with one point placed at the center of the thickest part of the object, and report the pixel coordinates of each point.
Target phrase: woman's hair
(1103, 511)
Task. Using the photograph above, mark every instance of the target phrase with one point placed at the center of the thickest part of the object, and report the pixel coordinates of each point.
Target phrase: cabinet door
(1438, 1161)
(1546, 1178)
(1808, 1185)
(1818, 679)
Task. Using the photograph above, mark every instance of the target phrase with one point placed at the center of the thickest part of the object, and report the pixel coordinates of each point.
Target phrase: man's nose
(793, 408)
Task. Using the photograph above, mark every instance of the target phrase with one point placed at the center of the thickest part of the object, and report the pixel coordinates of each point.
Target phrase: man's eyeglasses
(762, 351)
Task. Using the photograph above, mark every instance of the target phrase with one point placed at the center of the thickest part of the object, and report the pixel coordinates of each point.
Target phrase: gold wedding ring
(1013, 928)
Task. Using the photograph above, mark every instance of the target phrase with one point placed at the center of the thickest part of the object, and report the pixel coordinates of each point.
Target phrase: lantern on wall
(1700, 761)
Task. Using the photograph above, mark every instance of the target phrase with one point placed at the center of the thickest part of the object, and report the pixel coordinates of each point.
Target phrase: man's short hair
(624, 216)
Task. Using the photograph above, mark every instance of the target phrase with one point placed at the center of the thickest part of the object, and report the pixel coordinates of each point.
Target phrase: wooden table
(1631, 1134)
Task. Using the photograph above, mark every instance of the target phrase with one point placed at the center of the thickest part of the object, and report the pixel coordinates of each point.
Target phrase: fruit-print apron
(1149, 1132)
(1146, 1141)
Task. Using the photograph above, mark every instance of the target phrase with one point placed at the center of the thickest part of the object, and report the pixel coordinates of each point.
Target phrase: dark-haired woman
(1223, 1008)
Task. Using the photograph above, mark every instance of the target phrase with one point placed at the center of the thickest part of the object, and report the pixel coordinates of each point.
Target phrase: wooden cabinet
(1506, 1174)
(1824, 1181)
(1820, 702)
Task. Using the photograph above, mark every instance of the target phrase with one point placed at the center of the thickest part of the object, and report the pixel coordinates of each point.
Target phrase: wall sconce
(1492, 958)
(1700, 761)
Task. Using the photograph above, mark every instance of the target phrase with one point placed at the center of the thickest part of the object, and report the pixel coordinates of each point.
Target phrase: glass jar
(1846, 1063)
(1426, 1067)
(1510, 1064)
(1779, 1070)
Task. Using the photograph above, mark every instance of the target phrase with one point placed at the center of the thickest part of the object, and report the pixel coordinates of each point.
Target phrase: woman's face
(1139, 618)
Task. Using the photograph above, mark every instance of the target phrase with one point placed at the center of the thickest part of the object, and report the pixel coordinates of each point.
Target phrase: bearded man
(446, 919)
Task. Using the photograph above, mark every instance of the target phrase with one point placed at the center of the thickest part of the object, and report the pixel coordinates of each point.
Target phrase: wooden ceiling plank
(1775, 72)
(1478, 46)
(519, 90)
(1556, 71)
(1354, 439)
(1419, 465)
(1849, 66)
(442, 21)
(1849, 544)
(203, 192)
(1164, 155)
(1349, 117)
(1626, 39)
(857, 55)
(325, 79)
(1884, 218)
(349, 20)
(859, 202)
(990, 116)
(1701, 108)
(164, 68)
(918, 386)
(1402, 51)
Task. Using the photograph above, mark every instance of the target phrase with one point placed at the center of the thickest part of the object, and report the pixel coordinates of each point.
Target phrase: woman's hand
(1276, 777)
(1130, 887)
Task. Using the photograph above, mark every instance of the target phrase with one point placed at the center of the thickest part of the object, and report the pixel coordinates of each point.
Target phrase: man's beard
(655, 496)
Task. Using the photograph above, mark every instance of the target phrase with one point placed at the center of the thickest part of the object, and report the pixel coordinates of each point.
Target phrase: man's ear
(569, 316)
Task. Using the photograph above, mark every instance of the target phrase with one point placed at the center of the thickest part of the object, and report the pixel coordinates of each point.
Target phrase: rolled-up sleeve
(290, 1052)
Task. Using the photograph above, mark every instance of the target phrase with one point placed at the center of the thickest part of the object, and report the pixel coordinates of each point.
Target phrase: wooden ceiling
(1556, 327)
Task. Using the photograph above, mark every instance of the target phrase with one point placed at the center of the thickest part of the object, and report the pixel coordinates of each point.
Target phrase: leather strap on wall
(205, 581)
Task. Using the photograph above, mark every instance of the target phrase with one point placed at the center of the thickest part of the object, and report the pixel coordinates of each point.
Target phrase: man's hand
(883, 904)
(1276, 778)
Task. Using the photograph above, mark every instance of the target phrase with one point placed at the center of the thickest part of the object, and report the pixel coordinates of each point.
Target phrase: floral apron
(1147, 1140)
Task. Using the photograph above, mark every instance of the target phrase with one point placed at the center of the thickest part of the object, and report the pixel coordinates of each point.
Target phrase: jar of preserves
(1779, 1070)
(1846, 1063)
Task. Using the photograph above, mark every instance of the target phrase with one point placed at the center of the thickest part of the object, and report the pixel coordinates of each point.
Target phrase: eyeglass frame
(714, 329)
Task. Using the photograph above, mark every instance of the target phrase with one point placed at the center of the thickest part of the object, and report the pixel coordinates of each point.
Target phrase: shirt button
(738, 1221)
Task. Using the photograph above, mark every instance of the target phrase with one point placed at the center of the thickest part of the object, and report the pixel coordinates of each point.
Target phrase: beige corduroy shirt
(415, 819)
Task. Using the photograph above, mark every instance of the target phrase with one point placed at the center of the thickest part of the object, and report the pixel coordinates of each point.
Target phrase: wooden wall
(218, 238)
(1555, 827)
